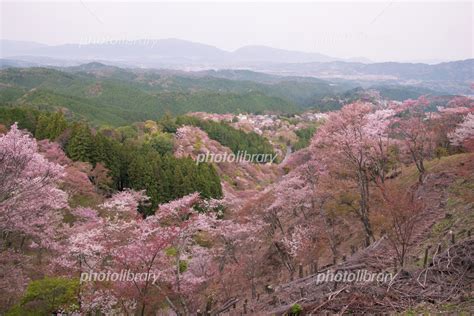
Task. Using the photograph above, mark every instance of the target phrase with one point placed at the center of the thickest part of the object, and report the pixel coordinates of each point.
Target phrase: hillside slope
(121, 98)
(236, 177)
(116, 96)
(444, 285)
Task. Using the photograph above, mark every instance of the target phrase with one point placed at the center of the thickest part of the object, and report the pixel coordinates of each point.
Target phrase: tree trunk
(364, 207)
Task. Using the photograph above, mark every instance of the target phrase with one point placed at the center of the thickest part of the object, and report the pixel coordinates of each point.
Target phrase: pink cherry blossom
(463, 135)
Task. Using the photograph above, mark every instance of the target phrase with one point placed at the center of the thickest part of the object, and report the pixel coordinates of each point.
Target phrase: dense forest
(110, 95)
(304, 137)
(138, 157)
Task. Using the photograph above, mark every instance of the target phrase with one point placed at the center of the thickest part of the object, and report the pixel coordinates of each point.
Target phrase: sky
(379, 31)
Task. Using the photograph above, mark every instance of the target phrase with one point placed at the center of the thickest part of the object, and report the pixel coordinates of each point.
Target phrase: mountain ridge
(183, 50)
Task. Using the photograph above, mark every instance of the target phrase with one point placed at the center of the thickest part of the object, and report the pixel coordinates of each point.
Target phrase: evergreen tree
(27, 118)
(81, 145)
(168, 123)
(50, 126)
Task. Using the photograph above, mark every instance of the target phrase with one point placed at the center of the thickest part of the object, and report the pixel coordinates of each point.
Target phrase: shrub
(296, 309)
(47, 296)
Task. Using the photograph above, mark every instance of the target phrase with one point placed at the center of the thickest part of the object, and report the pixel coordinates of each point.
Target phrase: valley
(169, 158)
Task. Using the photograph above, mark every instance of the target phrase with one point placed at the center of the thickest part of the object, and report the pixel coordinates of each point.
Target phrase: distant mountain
(453, 77)
(15, 48)
(165, 51)
(456, 70)
(10, 63)
(174, 54)
(274, 55)
(359, 60)
(161, 52)
(29, 61)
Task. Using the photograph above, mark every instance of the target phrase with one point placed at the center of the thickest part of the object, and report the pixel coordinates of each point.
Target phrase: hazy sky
(377, 30)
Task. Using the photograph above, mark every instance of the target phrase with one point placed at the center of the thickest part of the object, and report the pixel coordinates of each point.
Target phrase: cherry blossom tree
(446, 120)
(300, 220)
(53, 152)
(292, 200)
(461, 103)
(311, 198)
(239, 251)
(401, 213)
(29, 193)
(188, 222)
(118, 239)
(121, 239)
(323, 221)
(126, 201)
(14, 276)
(414, 127)
(30, 204)
(353, 144)
(296, 242)
(463, 135)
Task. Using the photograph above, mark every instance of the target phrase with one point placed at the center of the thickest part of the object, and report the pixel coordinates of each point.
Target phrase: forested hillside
(117, 101)
(138, 156)
(373, 186)
(110, 95)
(113, 153)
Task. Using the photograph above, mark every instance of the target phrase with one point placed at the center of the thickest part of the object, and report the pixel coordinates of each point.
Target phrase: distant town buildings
(260, 123)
